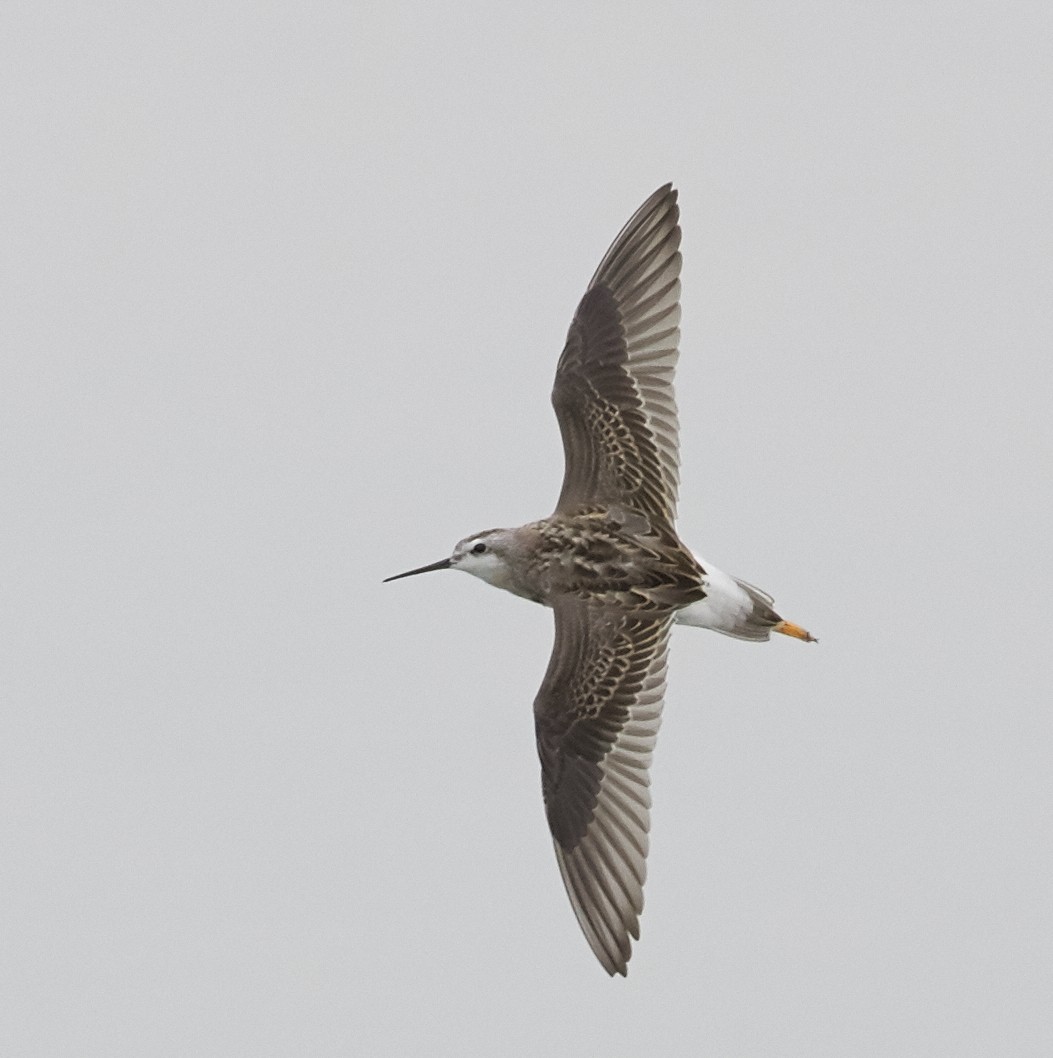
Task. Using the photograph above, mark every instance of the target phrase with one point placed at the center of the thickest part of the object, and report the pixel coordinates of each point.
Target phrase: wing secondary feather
(613, 393)
(597, 716)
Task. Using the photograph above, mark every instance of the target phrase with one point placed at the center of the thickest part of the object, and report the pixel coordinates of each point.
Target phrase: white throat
(489, 567)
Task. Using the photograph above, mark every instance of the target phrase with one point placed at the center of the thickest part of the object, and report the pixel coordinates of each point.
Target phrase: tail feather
(732, 607)
(757, 622)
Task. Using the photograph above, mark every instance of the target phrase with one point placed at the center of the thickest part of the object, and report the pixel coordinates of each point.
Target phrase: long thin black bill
(441, 564)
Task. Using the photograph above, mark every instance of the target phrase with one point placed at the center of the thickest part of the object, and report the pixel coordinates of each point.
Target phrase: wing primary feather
(613, 392)
(596, 735)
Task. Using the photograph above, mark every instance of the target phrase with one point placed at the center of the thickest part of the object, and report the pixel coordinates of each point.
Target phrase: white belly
(731, 607)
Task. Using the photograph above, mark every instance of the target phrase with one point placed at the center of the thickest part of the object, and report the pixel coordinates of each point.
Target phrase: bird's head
(485, 555)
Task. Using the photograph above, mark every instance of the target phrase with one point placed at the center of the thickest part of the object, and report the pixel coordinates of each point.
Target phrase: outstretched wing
(613, 393)
(597, 717)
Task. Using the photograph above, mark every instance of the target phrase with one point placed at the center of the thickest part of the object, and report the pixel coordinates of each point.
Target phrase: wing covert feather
(597, 717)
(613, 393)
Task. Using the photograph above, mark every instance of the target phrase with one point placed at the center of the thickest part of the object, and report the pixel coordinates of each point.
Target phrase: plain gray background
(284, 286)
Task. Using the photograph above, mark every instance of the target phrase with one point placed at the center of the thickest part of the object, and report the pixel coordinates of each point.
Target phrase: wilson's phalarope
(611, 565)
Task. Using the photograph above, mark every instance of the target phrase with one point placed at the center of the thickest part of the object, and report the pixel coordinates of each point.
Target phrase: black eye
(479, 549)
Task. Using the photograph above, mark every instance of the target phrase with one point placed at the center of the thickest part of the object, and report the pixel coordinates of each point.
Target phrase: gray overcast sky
(284, 287)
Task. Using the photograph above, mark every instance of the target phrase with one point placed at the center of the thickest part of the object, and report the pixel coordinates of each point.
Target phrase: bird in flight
(616, 575)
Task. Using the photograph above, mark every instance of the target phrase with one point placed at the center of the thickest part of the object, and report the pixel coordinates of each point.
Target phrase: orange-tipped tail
(789, 629)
